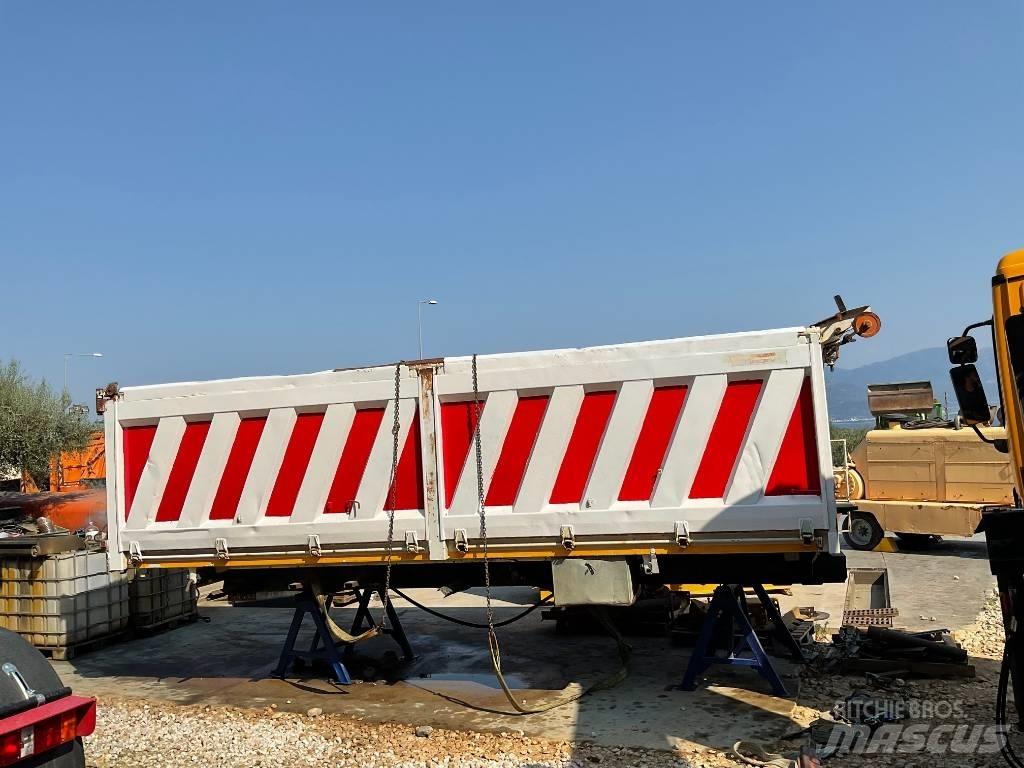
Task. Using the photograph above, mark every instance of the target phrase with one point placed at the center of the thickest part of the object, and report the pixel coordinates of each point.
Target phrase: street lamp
(419, 319)
(68, 356)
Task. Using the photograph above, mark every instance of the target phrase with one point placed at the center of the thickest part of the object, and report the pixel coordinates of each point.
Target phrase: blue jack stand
(726, 612)
(324, 646)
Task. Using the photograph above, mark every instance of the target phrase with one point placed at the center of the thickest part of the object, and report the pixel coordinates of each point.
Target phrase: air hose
(470, 624)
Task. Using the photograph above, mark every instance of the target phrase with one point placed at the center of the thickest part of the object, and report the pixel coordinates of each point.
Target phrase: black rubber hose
(471, 624)
(927, 424)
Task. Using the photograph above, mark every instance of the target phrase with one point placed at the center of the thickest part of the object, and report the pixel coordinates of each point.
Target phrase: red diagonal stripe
(408, 486)
(796, 469)
(182, 470)
(516, 450)
(578, 461)
(727, 435)
(458, 422)
(232, 481)
(137, 443)
(354, 456)
(294, 463)
(652, 443)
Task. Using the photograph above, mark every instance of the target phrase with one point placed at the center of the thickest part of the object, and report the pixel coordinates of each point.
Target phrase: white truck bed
(705, 445)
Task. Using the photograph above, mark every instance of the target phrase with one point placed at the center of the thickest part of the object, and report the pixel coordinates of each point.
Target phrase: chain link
(396, 427)
(480, 497)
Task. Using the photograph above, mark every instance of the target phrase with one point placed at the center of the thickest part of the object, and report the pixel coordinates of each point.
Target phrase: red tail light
(37, 731)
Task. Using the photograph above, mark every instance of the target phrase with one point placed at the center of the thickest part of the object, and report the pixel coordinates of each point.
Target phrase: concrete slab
(229, 659)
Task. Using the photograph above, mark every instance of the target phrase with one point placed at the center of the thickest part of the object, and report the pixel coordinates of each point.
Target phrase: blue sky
(235, 188)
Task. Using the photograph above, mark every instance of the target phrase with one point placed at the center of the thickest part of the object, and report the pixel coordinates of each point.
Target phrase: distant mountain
(848, 388)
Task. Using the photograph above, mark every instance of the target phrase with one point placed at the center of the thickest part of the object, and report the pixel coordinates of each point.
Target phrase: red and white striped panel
(639, 444)
(289, 465)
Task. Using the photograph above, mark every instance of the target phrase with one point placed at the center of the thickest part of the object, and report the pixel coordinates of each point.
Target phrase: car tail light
(44, 728)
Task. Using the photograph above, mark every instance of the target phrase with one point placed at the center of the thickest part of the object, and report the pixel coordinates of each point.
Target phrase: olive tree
(36, 423)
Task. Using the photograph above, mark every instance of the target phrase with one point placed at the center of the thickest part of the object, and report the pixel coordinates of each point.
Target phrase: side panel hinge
(134, 553)
(412, 542)
(806, 531)
(568, 537)
(313, 544)
(461, 540)
(221, 547)
(682, 533)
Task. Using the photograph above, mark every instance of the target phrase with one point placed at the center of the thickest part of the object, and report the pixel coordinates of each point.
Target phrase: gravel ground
(962, 704)
(131, 732)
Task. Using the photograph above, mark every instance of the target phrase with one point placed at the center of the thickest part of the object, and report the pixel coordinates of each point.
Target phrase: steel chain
(480, 498)
(396, 427)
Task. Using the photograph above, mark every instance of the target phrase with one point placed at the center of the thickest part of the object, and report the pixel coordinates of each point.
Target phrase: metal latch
(313, 543)
(19, 681)
(568, 537)
(806, 531)
(221, 547)
(412, 542)
(461, 540)
(682, 533)
(134, 553)
(651, 563)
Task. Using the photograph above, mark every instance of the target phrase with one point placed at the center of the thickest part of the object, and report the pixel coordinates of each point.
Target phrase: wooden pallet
(164, 625)
(66, 653)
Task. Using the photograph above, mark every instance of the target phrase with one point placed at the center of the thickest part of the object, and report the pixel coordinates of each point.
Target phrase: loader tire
(865, 533)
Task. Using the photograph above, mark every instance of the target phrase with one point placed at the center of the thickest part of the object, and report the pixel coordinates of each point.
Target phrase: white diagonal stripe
(700, 409)
(548, 449)
(764, 437)
(323, 462)
(494, 422)
(209, 470)
(373, 490)
(617, 445)
(153, 481)
(266, 463)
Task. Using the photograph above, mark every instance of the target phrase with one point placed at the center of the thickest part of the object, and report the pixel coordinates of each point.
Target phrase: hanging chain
(492, 635)
(396, 427)
(480, 497)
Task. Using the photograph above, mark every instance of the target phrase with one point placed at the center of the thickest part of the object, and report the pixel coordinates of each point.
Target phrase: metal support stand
(364, 620)
(323, 646)
(727, 611)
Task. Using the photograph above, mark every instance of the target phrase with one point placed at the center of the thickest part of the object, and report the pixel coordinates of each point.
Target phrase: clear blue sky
(236, 188)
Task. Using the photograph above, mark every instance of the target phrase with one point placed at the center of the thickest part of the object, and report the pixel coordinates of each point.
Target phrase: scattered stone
(314, 712)
(424, 731)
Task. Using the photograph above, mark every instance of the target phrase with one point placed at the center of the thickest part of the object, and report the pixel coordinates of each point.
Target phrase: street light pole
(68, 356)
(419, 319)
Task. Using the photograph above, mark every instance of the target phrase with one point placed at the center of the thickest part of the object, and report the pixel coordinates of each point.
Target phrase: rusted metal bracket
(220, 546)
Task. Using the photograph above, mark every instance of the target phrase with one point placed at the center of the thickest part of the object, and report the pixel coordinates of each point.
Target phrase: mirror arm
(969, 328)
(1002, 446)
